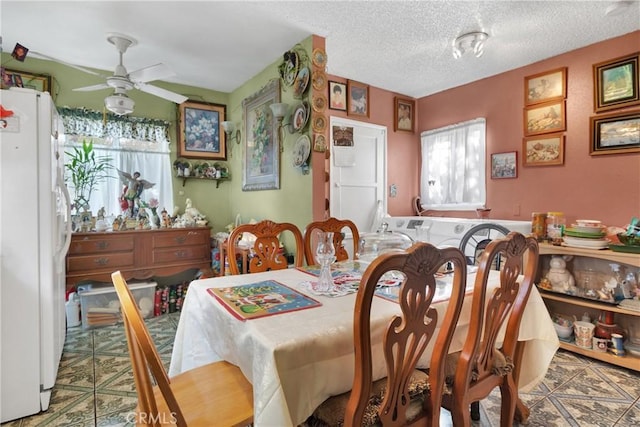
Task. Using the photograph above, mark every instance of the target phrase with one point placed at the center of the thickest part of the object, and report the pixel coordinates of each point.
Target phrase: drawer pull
(181, 239)
(102, 244)
(101, 261)
(193, 233)
(180, 254)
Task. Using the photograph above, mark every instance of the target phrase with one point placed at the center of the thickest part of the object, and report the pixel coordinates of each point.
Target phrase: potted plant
(86, 171)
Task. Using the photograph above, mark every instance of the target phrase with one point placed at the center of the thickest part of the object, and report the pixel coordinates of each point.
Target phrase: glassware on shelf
(325, 255)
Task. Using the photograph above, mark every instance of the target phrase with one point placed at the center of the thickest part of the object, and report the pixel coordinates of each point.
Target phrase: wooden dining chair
(337, 226)
(405, 395)
(266, 253)
(214, 394)
(483, 365)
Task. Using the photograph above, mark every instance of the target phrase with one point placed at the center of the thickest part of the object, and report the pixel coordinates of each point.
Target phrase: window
(453, 167)
(133, 145)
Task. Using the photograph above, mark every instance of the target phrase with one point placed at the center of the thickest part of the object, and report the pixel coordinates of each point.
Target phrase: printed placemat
(261, 299)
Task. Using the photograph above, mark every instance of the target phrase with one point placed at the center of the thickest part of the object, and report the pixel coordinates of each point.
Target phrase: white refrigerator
(35, 234)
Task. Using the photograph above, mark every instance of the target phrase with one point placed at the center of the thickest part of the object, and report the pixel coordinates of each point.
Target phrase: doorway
(358, 173)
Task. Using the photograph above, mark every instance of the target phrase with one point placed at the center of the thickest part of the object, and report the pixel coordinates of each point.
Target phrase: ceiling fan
(122, 81)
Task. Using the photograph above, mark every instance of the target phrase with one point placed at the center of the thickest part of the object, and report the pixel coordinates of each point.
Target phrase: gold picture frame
(543, 150)
(39, 82)
(616, 83)
(544, 118)
(615, 133)
(545, 87)
(357, 99)
(200, 133)
(404, 114)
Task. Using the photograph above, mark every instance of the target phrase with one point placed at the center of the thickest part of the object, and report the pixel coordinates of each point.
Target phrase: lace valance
(90, 123)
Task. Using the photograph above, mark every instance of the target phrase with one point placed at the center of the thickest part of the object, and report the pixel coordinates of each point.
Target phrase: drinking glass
(325, 255)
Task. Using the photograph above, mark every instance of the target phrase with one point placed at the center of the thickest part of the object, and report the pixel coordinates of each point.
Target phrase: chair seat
(331, 412)
(502, 365)
(225, 395)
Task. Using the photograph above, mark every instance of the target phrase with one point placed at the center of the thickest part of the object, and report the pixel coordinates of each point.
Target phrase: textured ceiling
(400, 46)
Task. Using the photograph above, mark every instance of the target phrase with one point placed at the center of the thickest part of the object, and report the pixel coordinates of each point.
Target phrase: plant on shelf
(86, 171)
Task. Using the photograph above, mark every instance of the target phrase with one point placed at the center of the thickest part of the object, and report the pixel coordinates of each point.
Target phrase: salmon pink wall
(604, 187)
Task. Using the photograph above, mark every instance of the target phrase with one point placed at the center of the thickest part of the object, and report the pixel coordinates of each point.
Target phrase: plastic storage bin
(100, 305)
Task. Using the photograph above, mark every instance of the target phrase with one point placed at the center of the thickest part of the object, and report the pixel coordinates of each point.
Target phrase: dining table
(298, 354)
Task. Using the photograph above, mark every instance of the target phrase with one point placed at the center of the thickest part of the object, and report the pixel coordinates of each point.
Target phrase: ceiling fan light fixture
(119, 104)
(469, 42)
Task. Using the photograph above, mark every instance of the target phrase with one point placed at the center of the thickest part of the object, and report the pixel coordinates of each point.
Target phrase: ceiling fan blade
(162, 93)
(90, 88)
(77, 67)
(153, 72)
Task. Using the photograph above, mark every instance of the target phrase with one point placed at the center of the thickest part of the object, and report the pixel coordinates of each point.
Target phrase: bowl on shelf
(629, 240)
(563, 331)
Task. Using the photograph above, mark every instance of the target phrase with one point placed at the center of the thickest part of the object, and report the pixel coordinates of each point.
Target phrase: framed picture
(615, 133)
(504, 165)
(544, 118)
(261, 161)
(200, 134)
(39, 82)
(615, 83)
(545, 87)
(357, 99)
(543, 150)
(337, 96)
(404, 114)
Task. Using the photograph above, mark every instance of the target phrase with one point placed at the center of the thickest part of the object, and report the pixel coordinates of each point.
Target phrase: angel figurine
(133, 187)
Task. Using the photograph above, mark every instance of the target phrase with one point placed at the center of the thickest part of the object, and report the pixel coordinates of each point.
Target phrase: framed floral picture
(200, 134)
(404, 114)
(615, 133)
(545, 87)
(504, 165)
(357, 99)
(544, 118)
(616, 82)
(261, 157)
(543, 150)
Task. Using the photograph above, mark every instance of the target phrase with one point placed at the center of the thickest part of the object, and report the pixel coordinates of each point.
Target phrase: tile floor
(95, 386)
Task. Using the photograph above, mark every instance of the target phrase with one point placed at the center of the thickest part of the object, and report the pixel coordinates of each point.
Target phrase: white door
(358, 174)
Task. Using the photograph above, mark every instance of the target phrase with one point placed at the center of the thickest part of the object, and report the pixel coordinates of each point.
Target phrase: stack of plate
(586, 233)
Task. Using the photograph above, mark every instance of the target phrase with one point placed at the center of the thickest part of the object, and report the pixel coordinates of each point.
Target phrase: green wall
(291, 203)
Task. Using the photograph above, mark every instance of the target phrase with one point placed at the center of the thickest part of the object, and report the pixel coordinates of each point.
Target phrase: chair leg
(475, 411)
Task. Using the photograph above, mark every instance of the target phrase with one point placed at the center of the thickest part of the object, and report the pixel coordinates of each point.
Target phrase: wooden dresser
(138, 254)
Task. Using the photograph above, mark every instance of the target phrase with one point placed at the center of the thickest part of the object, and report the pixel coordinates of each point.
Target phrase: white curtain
(453, 167)
(154, 166)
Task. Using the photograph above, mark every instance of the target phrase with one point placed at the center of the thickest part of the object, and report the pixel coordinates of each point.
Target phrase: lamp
(279, 110)
(229, 128)
(470, 42)
(119, 103)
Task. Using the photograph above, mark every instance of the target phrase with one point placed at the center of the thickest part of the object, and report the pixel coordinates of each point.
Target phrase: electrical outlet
(393, 190)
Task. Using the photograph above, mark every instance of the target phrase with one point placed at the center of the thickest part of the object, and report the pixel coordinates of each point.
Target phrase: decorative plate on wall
(301, 82)
(301, 151)
(319, 57)
(319, 103)
(300, 116)
(318, 80)
(289, 67)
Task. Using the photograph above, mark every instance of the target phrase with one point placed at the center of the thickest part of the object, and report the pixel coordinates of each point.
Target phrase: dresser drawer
(180, 238)
(82, 245)
(183, 253)
(87, 263)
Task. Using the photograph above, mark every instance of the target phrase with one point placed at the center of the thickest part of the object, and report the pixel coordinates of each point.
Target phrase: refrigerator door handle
(67, 237)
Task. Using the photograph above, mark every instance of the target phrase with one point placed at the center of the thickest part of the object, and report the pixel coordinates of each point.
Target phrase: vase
(155, 219)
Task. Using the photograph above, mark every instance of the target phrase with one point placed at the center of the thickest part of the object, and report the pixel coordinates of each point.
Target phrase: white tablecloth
(297, 360)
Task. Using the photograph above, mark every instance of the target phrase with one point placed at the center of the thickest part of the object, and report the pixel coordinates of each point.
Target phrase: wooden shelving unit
(575, 304)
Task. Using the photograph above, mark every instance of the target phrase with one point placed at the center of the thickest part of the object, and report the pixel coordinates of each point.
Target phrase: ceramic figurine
(560, 278)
